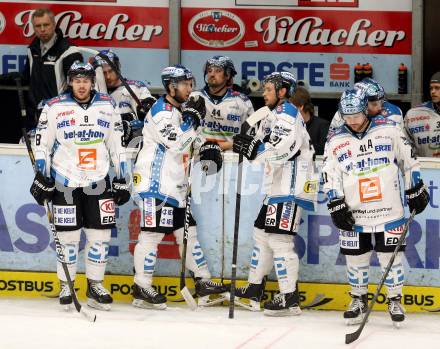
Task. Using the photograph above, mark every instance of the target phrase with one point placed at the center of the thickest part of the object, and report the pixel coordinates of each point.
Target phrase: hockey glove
(342, 218)
(147, 103)
(121, 192)
(194, 109)
(246, 145)
(42, 188)
(211, 157)
(417, 197)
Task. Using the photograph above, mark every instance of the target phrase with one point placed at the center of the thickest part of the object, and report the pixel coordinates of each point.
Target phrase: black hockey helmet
(81, 70)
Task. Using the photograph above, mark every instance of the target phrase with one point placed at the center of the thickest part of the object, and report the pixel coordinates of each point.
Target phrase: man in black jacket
(50, 55)
(316, 127)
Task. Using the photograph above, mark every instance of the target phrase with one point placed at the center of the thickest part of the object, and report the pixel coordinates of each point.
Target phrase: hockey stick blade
(88, 314)
(434, 310)
(351, 337)
(189, 299)
(319, 299)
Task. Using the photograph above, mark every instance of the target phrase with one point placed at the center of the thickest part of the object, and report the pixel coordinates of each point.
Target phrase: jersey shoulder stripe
(161, 105)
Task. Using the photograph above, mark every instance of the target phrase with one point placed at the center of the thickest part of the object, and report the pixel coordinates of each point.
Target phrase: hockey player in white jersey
(226, 109)
(422, 123)
(378, 106)
(282, 143)
(132, 113)
(160, 180)
(75, 134)
(361, 178)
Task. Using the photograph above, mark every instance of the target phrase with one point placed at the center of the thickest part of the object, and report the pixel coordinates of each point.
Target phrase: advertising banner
(320, 42)
(138, 33)
(26, 242)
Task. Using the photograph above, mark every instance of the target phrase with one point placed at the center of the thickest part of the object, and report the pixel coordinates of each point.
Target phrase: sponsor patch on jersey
(87, 159)
(136, 179)
(166, 217)
(349, 240)
(64, 215)
(149, 213)
(107, 211)
(391, 237)
(370, 189)
(286, 216)
(271, 216)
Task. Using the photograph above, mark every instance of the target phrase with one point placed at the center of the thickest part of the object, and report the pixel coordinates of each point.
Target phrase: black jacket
(318, 129)
(46, 75)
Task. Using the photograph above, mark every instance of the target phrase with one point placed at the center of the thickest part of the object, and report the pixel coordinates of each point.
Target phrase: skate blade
(397, 324)
(206, 301)
(100, 306)
(251, 305)
(292, 311)
(139, 303)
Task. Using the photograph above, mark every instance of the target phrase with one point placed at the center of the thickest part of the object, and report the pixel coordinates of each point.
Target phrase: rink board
(323, 296)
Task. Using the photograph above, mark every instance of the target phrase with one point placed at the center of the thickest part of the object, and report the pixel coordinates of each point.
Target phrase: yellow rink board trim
(329, 296)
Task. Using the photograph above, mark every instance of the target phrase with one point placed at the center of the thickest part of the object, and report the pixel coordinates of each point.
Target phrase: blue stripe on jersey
(159, 106)
(41, 166)
(156, 168)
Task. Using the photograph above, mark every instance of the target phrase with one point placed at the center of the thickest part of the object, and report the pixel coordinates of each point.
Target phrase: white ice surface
(39, 323)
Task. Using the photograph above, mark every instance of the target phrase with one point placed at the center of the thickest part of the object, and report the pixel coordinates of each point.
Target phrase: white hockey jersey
(74, 143)
(365, 170)
(389, 112)
(125, 101)
(224, 118)
(422, 125)
(160, 169)
(288, 155)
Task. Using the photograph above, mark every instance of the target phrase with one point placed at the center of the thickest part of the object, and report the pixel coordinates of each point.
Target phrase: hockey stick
(260, 114)
(58, 247)
(121, 78)
(186, 294)
(351, 337)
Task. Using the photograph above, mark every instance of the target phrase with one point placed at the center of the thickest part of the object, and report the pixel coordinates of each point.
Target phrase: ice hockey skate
(148, 298)
(97, 296)
(356, 310)
(396, 310)
(206, 288)
(283, 304)
(65, 296)
(250, 296)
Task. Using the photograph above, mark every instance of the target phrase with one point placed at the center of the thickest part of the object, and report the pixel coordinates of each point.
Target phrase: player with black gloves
(75, 135)
(361, 178)
(283, 144)
(132, 113)
(161, 181)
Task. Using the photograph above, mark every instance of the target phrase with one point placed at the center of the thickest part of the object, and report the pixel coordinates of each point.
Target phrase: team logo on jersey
(271, 216)
(136, 179)
(149, 213)
(391, 237)
(64, 215)
(166, 217)
(216, 28)
(286, 216)
(311, 187)
(107, 211)
(66, 123)
(370, 189)
(87, 159)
